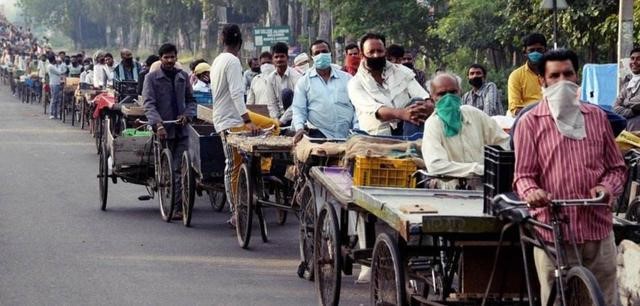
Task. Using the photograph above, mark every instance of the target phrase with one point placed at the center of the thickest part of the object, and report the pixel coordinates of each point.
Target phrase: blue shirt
(325, 105)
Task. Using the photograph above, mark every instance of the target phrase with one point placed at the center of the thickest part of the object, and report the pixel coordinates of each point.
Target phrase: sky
(8, 7)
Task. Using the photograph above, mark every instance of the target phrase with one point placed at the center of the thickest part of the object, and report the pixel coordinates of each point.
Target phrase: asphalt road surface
(58, 248)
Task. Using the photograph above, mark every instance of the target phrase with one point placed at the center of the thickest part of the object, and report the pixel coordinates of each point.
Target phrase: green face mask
(448, 110)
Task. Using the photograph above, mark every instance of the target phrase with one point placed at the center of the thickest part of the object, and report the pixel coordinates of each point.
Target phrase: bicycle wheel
(582, 288)
(244, 207)
(103, 176)
(165, 186)
(217, 199)
(307, 223)
(99, 130)
(387, 273)
(633, 211)
(327, 259)
(188, 188)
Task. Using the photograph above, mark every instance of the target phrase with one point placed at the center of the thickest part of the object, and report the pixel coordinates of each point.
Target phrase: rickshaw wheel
(307, 223)
(217, 199)
(581, 288)
(98, 131)
(244, 207)
(103, 176)
(281, 214)
(633, 211)
(328, 259)
(165, 186)
(387, 273)
(187, 180)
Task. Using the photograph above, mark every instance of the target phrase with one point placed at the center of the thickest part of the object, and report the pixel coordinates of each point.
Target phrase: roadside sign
(268, 36)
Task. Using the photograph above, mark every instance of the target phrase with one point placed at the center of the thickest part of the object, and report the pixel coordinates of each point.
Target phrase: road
(58, 248)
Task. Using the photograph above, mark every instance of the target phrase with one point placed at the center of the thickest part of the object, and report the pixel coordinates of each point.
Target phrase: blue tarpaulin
(599, 83)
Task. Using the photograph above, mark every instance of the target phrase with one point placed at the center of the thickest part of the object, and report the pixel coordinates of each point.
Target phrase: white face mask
(303, 68)
(267, 68)
(564, 105)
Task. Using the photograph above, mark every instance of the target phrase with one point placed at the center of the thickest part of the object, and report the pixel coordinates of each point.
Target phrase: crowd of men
(564, 147)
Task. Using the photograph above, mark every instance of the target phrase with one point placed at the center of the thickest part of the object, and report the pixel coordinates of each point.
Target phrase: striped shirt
(569, 169)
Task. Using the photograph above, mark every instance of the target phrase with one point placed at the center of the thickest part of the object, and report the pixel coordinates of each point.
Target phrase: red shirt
(569, 168)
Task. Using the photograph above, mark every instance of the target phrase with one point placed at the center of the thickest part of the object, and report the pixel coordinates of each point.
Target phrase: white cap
(301, 58)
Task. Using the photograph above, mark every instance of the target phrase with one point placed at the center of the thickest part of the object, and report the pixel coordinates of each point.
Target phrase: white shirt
(397, 90)
(86, 77)
(278, 83)
(42, 69)
(201, 86)
(461, 155)
(259, 95)
(227, 88)
(100, 76)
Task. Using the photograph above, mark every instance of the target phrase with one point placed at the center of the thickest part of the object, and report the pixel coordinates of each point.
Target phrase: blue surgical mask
(534, 56)
(322, 61)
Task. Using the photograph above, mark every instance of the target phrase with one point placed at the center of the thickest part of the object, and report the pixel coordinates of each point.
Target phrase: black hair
(151, 59)
(280, 47)
(231, 35)
(534, 38)
(52, 59)
(166, 49)
(250, 60)
(317, 42)
(108, 55)
(351, 46)
(478, 66)
(368, 36)
(557, 55)
(195, 63)
(396, 51)
(265, 54)
(634, 50)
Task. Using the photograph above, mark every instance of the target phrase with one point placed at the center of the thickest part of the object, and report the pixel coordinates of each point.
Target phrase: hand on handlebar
(601, 190)
(252, 128)
(182, 120)
(161, 132)
(538, 198)
(298, 136)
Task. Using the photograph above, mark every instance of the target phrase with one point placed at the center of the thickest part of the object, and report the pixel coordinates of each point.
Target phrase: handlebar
(264, 131)
(314, 139)
(597, 201)
(163, 122)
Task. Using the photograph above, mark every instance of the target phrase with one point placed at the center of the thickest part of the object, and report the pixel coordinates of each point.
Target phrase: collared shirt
(397, 90)
(568, 168)
(55, 73)
(228, 92)
(627, 99)
(523, 88)
(259, 94)
(484, 99)
(278, 83)
(461, 155)
(325, 105)
(247, 77)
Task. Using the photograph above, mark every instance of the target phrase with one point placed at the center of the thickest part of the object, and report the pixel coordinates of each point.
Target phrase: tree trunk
(293, 19)
(324, 23)
(107, 32)
(275, 16)
(204, 25)
(304, 21)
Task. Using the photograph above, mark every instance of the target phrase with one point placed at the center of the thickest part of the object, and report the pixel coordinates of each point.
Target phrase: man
(109, 65)
(260, 89)
(321, 106)
(301, 63)
(167, 95)
(100, 72)
(455, 136)
(483, 95)
(75, 69)
(128, 69)
(145, 70)
(229, 111)
(202, 73)
(193, 79)
(250, 73)
(86, 77)
(408, 61)
(395, 53)
(382, 92)
(265, 58)
(55, 72)
(523, 86)
(284, 79)
(566, 150)
(351, 59)
(628, 102)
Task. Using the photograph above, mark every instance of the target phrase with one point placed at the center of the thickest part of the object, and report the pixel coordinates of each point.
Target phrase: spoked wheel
(217, 199)
(188, 188)
(165, 185)
(387, 273)
(307, 223)
(83, 114)
(327, 259)
(281, 214)
(103, 176)
(582, 288)
(74, 111)
(98, 131)
(244, 207)
(633, 211)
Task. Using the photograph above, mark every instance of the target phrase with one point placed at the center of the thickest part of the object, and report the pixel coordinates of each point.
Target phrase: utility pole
(625, 37)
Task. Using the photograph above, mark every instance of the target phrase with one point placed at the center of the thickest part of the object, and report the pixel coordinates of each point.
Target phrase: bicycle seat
(513, 213)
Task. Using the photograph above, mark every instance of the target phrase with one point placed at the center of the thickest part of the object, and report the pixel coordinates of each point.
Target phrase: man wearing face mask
(321, 106)
(202, 73)
(565, 149)
(455, 136)
(628, 102)
(128, 69)
(523, 86)
(301, 63)
(385, 94)
(483, 95)
(75, 69)
(351, 59)
(250, 73)
(260, 88)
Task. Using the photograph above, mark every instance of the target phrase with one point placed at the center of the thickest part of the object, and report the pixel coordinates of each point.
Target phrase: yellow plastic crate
(384, 172)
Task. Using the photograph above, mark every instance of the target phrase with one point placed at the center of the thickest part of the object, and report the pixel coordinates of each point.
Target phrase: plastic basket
(135, 133)
(498, 173)
(384, 172)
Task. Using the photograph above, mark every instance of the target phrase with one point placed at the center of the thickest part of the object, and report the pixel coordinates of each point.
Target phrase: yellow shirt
(523, 88)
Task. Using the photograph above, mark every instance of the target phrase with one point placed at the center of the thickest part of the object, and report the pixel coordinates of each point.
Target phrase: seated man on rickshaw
(455, 136)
